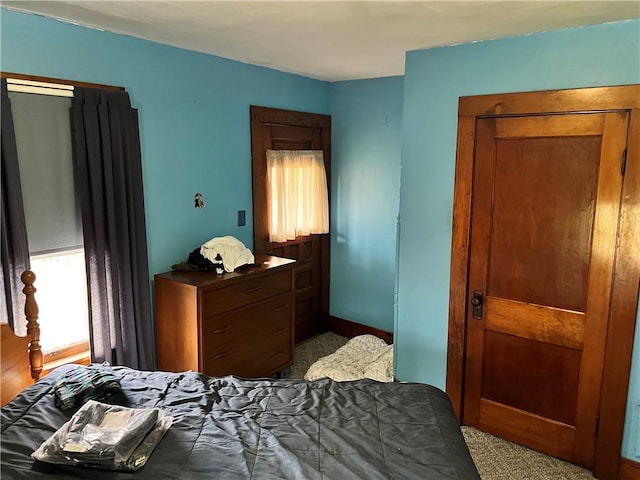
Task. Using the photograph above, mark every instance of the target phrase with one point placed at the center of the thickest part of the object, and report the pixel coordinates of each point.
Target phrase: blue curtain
(14, 247)
(108, 174)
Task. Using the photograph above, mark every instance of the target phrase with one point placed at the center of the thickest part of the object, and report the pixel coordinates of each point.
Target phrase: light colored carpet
(495, 458)
(498, 459)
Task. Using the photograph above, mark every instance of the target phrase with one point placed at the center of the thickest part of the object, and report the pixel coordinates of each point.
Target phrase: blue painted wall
(194, 120)
(367, 128)
(631, 438)
(434, 79)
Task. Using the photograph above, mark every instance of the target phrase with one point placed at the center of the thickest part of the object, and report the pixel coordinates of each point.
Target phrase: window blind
(43, 140)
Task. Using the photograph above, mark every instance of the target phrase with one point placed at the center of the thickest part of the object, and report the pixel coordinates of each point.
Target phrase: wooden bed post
(33, 327)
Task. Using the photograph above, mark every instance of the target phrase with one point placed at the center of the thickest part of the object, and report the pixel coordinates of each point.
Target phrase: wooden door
(288, 130)
(545, 212)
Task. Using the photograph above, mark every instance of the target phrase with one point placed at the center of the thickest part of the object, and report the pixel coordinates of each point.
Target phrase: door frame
(626, 281)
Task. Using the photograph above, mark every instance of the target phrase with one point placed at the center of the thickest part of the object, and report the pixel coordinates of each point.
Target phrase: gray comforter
(232, 428)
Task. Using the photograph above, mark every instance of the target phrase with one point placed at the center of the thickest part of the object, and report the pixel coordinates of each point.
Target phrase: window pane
(62, 298)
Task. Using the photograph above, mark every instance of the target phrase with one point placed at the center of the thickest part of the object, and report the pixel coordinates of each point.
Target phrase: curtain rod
(35, 78)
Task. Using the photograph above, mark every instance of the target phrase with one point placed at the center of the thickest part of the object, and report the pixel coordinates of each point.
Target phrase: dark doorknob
(476, 302)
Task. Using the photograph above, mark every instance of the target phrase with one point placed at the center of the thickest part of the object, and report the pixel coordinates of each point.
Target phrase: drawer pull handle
(253, 289)
(280, 308)
(277, 354)
(222, 330)
(279, 331)
(220, 355)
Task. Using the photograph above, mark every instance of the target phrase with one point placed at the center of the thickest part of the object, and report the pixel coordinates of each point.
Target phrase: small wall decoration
(199, 203)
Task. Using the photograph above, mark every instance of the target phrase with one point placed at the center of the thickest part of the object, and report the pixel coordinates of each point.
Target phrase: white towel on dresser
(232, 251)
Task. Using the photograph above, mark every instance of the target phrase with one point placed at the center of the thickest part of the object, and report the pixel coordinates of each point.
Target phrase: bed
(21, 356)
(235, 428)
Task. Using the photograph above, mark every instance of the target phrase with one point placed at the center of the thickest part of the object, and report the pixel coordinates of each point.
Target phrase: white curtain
(297, 194)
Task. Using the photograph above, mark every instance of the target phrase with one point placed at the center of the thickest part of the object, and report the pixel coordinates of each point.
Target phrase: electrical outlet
(242, 220)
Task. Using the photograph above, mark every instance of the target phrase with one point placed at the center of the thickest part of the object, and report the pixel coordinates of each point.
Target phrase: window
(297, 194)
(61, 281)
(52, 215)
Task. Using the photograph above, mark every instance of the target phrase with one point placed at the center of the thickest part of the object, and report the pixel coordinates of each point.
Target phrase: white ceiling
(327, 40)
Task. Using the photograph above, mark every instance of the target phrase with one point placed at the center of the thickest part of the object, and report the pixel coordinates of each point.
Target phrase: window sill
(77, 353)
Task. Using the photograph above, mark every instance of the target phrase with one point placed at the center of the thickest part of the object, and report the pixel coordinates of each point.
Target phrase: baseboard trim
(628, 469)
(350, 329)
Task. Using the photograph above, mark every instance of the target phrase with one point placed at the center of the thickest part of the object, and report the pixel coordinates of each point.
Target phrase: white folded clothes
(232, 251)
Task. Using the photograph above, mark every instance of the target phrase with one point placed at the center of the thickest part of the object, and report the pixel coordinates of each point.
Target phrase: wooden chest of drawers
(238, 323)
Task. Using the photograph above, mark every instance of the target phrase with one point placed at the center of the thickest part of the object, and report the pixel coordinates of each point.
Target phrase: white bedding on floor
(364, 356)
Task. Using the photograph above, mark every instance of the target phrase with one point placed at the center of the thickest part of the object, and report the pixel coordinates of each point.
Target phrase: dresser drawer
(250, 291)
(249, 357)
(264, 320)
